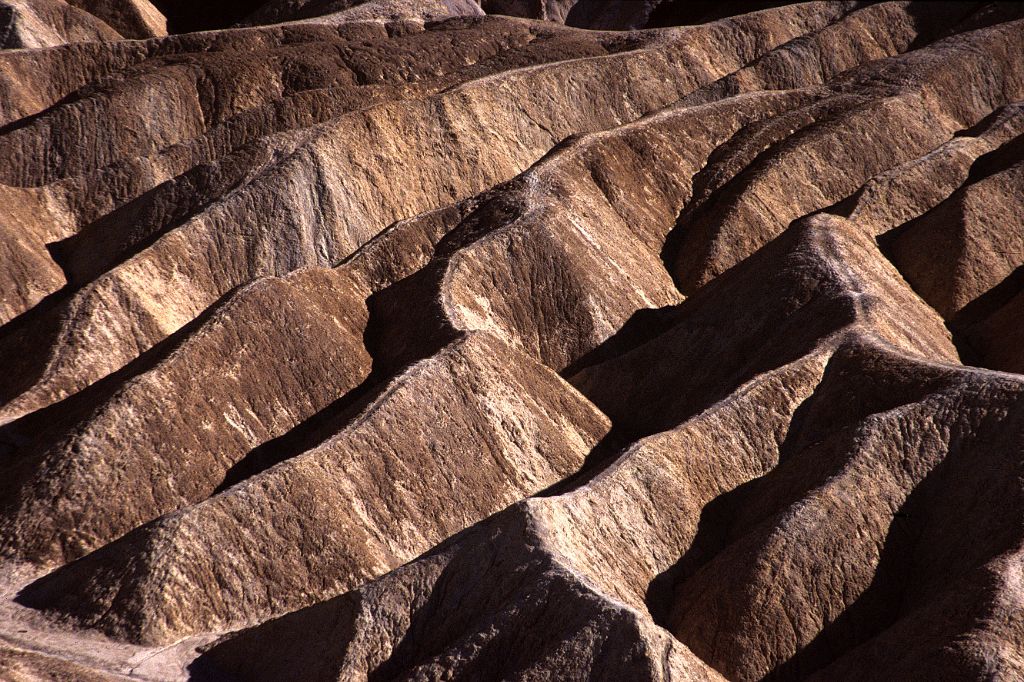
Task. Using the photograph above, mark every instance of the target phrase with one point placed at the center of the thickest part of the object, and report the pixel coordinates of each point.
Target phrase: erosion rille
(511, 340)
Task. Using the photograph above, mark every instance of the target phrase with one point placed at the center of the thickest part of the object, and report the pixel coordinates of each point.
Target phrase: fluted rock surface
(511, 339)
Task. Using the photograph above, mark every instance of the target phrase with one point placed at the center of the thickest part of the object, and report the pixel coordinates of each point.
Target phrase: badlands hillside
(511, 340)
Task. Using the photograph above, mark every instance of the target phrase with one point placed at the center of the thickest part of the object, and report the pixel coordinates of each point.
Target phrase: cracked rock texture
(511, 340)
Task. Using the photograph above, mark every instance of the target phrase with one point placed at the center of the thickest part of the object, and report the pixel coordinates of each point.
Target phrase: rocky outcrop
(137, 19)
(47, 23)
(328, 221)
(448, 340)
(683, 528)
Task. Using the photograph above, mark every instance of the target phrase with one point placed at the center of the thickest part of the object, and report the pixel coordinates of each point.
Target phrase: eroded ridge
(449, 340)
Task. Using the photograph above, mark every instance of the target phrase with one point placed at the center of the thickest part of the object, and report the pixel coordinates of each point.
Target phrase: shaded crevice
(709, 185)
(39, 429)
(132, 228)
(833, 409)
(598, 460)
(405, 325)
(642, 326)
(37, 328)
(715, 526)
(881, 603)
(989, 302)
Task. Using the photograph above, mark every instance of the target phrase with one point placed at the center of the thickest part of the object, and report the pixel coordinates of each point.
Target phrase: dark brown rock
(511, 339)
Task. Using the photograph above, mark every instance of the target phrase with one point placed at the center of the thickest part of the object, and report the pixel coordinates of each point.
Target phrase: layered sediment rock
(450, 340)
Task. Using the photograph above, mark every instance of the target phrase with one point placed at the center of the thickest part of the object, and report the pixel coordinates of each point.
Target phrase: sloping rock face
(512, 340)
(47, 23)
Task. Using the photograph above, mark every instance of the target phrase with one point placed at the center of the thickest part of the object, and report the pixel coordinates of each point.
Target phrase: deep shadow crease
(29, 338)
(601, 456)
(138, 224)
(715, 525)
(882, 602)
(408, 308)
(305, 435)
(937, 20)
(978, 310)
(642, 326)
(321, 632)
(37, 429)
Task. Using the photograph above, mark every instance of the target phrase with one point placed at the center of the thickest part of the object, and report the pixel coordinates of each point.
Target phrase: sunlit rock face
(511, 340)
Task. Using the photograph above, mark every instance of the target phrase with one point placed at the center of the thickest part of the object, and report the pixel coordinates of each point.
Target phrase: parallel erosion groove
(393, 335)
(331, 187)
(511, 340)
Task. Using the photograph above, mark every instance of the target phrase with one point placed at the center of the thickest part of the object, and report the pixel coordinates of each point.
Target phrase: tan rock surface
(46, 23)
(511, 339)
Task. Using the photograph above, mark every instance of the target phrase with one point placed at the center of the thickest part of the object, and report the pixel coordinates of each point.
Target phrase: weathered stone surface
(334, 12)
(137, 19)
(480, 429)
(48, 23)
(511, 339)
(45, 23)
(18, 665)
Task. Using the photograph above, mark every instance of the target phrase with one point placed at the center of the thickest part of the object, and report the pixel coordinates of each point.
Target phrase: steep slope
(449, 340)
(664, 535)
(47, 23)
(436, 154)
